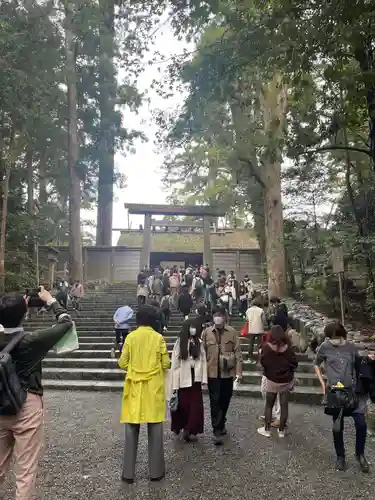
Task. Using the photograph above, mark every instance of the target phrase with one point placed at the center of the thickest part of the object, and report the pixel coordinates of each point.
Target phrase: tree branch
(339, 148)
(253, 170)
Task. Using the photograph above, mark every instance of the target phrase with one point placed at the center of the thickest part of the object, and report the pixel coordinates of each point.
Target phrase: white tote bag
(68, 343)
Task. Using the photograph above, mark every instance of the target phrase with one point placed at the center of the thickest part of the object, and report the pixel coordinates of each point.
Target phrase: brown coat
(229, 346)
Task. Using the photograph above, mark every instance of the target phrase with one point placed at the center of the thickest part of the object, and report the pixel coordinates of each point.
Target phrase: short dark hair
(13, 308)
(146, 316)
(219, 310)
(202, 310)
(335, 330)
(257, 302)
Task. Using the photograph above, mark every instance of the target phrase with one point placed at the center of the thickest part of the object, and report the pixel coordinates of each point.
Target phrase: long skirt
(190, 414)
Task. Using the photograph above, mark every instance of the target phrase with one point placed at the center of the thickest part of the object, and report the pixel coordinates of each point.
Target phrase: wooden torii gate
(206, 212)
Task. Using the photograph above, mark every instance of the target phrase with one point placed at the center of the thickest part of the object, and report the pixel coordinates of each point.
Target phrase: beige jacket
(224, 347)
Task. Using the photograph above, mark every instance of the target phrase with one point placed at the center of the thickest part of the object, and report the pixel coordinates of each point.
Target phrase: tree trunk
(274, 229)
(75, 245)
(107, 96)
(274, 105)
(290, 271)
(30, 181)
(43, 196)
(4, 215)
(361, 225)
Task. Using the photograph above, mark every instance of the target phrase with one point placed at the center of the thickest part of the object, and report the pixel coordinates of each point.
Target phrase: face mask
(193, 331)
(218, 320)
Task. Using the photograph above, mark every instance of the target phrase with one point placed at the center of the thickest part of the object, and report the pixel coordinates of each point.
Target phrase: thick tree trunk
(274, 229)
(4, 215)
(260, 233)
(75, 245)
(107, 96)
(274, 105)
(30, 181)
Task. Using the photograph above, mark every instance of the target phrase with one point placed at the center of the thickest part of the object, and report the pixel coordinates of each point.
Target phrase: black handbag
(342, 398)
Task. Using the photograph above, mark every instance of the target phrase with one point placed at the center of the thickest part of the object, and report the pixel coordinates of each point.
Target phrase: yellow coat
(145, 358)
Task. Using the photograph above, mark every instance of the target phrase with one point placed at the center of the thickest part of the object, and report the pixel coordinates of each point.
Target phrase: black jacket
(185, 303)
(32, 349)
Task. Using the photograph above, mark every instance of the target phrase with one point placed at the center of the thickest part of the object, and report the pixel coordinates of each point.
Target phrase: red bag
(245, 330)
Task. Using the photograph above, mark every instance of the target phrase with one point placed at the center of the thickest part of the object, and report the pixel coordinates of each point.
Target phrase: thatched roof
(191, 242)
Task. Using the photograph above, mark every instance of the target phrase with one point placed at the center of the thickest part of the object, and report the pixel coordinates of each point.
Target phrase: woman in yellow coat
(145, 359)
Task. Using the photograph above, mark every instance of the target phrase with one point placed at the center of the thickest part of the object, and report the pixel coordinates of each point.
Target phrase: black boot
(363, 464)
(218, 441)
(341, 464)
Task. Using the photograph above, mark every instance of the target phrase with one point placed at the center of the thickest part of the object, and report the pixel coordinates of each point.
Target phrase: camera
(34, 299)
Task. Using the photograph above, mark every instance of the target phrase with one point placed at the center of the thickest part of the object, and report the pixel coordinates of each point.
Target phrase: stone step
(103, 342)
(89, 322)
(105, 361)
(302, 395)
(85, 373)
(99, 353)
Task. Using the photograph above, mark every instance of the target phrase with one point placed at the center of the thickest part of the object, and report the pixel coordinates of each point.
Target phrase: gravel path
(84, 452)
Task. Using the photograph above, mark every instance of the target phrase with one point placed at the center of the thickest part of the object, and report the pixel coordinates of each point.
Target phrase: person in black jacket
(185, 302)
(160, 324)
(22, 435)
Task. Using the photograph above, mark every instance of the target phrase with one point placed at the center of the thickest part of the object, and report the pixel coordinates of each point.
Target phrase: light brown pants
(22, 435)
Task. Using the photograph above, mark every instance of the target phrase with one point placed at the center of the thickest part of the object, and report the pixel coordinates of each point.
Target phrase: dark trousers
(141, 300)
(62, 300)
(360, 435)
(167, 316)
(220, 391)
(252, 339)
(243, 307)
(284, 407)
(120, 337)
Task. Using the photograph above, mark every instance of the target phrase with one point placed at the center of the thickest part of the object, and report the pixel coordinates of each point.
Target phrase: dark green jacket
(32, 349)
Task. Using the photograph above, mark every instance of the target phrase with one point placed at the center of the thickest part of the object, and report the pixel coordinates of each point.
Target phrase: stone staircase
(91, 368)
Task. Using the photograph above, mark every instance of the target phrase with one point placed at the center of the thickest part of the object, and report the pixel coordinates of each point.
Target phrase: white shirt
(255, 318)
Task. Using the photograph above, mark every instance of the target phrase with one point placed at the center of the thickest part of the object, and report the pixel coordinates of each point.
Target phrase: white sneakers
(262, 431)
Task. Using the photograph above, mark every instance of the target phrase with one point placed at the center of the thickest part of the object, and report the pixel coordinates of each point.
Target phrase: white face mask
(193, 331)
(218, 320)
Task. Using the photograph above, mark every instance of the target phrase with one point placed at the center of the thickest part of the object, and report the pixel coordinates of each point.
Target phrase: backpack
(165, 304)
(198, 283)
(12, 394)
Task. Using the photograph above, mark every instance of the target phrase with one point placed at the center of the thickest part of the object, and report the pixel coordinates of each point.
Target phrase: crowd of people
(182, 287)
(207, 353)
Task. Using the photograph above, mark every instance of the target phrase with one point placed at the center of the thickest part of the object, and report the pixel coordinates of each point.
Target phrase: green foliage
(324, 54)
(34, 110)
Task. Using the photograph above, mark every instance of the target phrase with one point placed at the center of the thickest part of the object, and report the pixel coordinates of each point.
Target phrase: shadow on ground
(84, 449)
